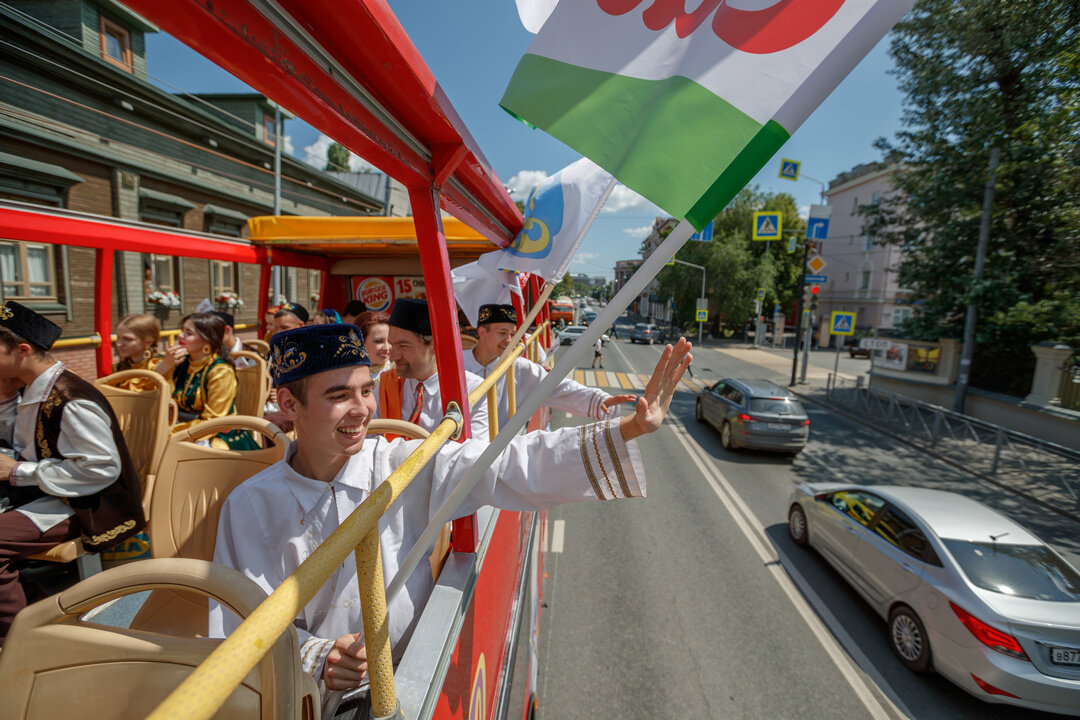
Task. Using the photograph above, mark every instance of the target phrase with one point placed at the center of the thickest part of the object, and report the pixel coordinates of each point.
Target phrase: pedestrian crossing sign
(702, 316)
(789, 169)
(767, 225)
(842, 323)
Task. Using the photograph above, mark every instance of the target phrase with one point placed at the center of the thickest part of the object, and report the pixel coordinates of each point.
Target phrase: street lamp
(702, 269)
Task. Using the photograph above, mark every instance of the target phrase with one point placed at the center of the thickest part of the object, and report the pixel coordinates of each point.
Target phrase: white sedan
(572, 332)
(966, 591)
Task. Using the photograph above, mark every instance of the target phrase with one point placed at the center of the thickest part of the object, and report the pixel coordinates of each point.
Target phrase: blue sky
(472, 47)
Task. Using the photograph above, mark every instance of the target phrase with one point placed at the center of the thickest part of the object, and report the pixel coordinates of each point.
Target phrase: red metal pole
(264, 291)
(103, 278)
(435, 263)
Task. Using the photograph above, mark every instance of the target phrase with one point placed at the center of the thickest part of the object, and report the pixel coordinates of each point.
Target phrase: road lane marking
(558, 531)
(624, 381)
(754, 532)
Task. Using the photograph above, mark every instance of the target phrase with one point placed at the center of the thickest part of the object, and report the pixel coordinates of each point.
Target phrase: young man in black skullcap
(71, 474)
(289, 316)
(273, 521)
(495, 327)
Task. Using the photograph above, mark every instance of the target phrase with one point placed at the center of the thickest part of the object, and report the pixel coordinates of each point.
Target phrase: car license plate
(779, 426)
(1062, 656)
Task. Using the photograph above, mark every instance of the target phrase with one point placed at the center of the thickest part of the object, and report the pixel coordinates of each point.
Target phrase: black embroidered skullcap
(494, 313)
(296, 309)
(27, 324)
(412, 315)
(311, 349)
(227, 317)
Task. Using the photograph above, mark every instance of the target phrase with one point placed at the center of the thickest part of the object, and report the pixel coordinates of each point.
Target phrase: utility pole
(275, 272)
(799, 313)
(980, 262)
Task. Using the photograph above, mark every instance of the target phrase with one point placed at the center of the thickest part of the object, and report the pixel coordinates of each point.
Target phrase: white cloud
(623, 198)
(315, 155)
(522, 184)
(287, 148)
(804, 212)
(638, 233)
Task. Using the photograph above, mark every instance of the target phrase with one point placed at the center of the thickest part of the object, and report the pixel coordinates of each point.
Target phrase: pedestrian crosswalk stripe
(579, 376)
(635, 381)
(590, 378)
(624, 381)
(612, 379)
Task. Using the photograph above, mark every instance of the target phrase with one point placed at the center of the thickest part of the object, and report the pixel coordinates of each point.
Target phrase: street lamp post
(702, 269)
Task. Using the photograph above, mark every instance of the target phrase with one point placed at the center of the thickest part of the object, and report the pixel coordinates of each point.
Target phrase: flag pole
(532, 402)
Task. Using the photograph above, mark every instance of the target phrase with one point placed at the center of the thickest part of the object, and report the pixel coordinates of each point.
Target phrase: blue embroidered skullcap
(412, 315)
(311, 349)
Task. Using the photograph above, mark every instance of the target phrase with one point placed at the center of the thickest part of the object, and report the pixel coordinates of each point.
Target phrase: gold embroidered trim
(588, 466)
(596, 449)
(5, 312)
(110, 534)
(51, 403)
(351, 344)
(615, 459)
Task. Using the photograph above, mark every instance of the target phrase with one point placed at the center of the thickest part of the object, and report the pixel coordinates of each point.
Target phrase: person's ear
(287, 403)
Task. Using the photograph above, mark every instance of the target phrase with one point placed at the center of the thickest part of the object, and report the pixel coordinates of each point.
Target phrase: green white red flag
(685, 107)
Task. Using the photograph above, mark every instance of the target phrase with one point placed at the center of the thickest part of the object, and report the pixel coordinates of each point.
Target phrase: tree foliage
(337, 157)
(980, 74)
(736, 266)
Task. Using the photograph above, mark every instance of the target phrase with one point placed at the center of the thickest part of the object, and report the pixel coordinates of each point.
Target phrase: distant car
(590, 315)
(966, 591)
(855, 351)
(644, 332)
(754, 414)
(568, 335)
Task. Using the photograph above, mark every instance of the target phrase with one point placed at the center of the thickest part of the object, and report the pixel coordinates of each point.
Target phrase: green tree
(337, 158)
(736, 266)
(981, 74)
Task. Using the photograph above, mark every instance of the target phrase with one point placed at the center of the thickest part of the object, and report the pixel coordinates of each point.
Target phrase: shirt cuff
(612, 464)
(24, 474)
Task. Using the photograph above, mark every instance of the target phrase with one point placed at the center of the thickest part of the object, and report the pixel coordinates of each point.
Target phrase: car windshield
(641, 326)
(1030, 571)
(781, 406)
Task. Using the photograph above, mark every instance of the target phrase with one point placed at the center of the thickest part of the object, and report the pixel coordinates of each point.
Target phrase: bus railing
(95, 339)
(204, 692)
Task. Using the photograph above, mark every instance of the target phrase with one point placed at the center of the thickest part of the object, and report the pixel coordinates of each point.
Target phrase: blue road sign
(704, 235)
(817, 228)
(817, 279)
(842, 323)
(789, 169)
(767, 225)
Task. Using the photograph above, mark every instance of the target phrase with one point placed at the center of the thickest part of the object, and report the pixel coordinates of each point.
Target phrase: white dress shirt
(273, 521)
(91, 460)
(431, 411)
(240, 361)
(569, 396)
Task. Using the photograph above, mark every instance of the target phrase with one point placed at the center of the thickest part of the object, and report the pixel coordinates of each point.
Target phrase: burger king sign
(375, 293)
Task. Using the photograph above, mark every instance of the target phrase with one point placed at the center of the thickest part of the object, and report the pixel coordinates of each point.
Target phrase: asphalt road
(694, 603)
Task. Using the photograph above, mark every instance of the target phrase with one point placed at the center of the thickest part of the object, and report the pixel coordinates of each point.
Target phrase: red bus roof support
(103, 285)
(263, 303)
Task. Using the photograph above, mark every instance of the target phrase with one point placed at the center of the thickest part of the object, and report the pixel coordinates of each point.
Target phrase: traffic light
(813, 298)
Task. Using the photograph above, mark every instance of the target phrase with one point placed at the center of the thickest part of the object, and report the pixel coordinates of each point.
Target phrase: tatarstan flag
(685, 106)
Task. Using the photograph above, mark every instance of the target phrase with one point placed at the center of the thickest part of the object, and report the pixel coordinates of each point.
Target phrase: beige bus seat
(252, 385)
(145, 424)
(467, 341)
(191, 486)
(441, 550)
(259, 346)
(56, 664)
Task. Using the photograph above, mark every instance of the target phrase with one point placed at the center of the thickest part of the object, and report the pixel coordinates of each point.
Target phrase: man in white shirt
(411, 390)
(232, 342)
(68, 472)
(495, 328)
(274, 520)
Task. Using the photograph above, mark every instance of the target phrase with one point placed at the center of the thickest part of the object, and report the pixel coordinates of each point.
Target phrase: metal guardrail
(1045, 471)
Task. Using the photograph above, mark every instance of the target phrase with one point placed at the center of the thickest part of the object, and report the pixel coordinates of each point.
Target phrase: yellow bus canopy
(359, 236)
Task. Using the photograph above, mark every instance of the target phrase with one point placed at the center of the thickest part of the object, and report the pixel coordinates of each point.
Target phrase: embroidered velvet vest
(114, 514)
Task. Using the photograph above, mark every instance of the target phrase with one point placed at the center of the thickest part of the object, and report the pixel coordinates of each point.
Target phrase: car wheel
(797, 526)
(725, 436)
(908, 639)
(698, 414)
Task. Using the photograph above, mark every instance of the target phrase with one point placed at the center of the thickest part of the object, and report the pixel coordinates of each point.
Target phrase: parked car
(966, 591)
(644, 332)
(855, 351)
(754, 414)
(569, 334)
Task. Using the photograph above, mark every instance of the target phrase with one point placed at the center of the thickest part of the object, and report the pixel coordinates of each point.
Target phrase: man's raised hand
(653, 405)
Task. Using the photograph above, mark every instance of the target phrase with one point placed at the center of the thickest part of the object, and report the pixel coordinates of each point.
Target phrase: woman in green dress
(203, 378)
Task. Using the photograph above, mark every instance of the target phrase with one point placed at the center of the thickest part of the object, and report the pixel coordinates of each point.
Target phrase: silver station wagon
(754, 414)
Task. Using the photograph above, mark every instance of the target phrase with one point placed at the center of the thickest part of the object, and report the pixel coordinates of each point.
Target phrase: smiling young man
(495, 328)
(411, 390)
(274, 520)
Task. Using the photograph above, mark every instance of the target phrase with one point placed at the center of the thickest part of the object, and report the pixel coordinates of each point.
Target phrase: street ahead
(694, 603)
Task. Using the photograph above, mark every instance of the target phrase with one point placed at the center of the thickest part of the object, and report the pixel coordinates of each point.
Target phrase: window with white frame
(288, 284)
(864, 279)
(162, 273)
(223, 278)
(28, 271)
(868, 242)
(314, 285)
(900, 315)
(855, 205)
